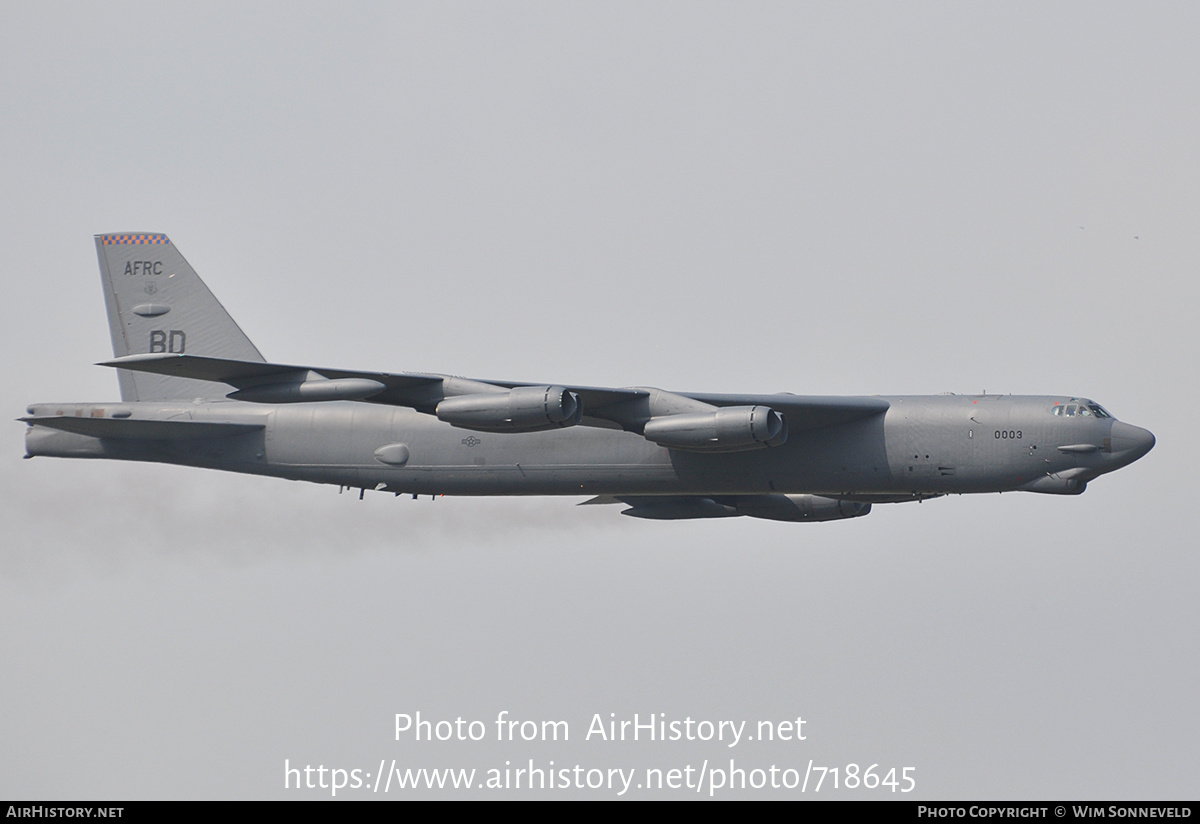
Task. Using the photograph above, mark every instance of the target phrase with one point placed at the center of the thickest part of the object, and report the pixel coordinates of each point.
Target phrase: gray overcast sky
(818, 198)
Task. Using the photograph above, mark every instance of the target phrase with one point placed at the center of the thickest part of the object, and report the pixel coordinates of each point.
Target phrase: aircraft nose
(1131, 442)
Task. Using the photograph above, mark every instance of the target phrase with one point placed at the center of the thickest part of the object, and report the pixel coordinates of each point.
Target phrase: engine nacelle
(799, 507)
(729, 429)
(523, 409)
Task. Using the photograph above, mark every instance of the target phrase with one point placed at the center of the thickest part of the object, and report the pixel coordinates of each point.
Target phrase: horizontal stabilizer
(141, 430)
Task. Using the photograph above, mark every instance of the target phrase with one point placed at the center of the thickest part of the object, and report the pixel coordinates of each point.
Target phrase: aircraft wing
(283, 383)
(413, 389)
(242, 374)
(625, 408)
(802, 411)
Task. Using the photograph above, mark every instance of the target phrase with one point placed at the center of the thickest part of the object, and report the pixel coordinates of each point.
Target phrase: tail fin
(157, 303)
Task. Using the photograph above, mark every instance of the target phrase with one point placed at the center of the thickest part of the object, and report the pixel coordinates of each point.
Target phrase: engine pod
(523, 409)
(729, 429)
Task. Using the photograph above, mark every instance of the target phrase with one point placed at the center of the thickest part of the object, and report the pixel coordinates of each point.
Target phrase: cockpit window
(1081, 410)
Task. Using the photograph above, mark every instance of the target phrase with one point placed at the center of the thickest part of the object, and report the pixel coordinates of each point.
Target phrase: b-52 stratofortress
(195, 391)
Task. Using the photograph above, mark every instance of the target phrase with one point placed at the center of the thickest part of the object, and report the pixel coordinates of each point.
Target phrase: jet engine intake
(729, 429)
(523, 409)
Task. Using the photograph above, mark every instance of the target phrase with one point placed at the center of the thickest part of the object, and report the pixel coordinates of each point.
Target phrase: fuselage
(920, 446)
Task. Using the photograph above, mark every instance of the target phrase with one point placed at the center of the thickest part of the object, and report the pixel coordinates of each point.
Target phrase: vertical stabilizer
(157, 303)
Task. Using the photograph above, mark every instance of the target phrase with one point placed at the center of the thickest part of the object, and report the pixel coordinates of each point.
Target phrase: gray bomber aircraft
(195, 391)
